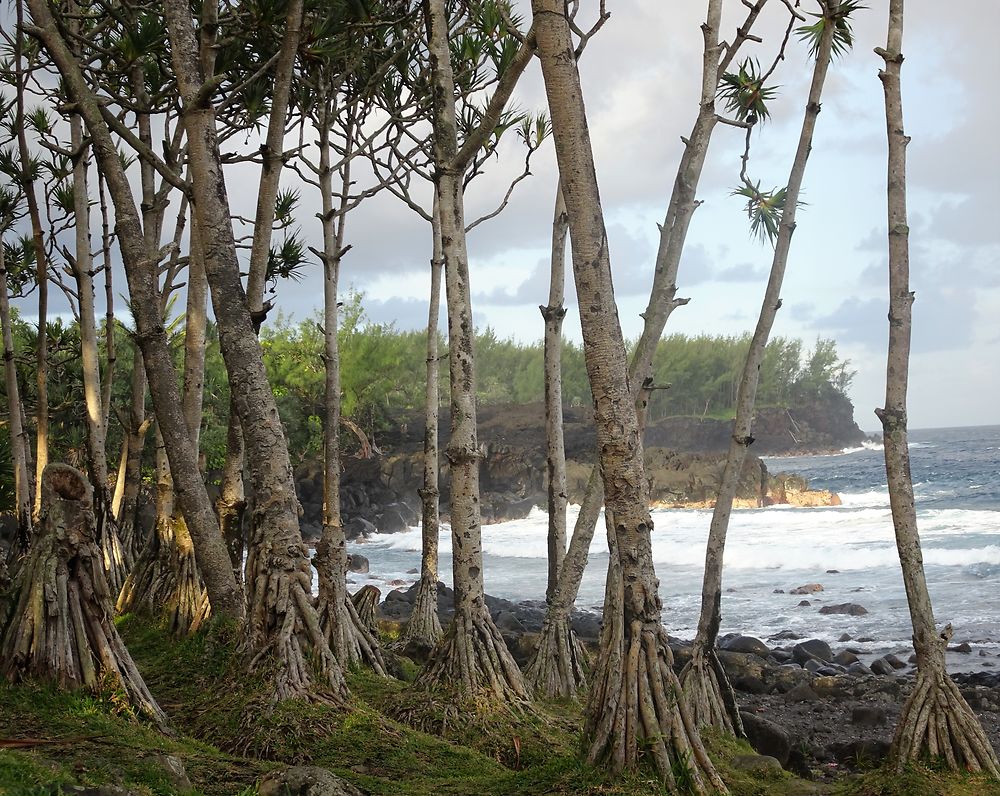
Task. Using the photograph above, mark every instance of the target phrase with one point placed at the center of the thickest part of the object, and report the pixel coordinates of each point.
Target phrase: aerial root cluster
(558, 668)
(640, 701)
(61, 625)
(165, 580)
(474, 657)
(937, 721)
(708, 694)
(424, 627)
(284, 630)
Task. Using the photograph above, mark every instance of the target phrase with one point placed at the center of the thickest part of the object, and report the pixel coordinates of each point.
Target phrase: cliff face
(684, 462)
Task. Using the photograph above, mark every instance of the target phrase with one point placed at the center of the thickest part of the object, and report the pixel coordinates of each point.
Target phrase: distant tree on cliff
(707, 690)
(936, 720)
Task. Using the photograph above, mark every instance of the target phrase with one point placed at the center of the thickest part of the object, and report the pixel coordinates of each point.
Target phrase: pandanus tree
(344, 61)
(486, 56)
(60, 626)
(558, 666)
(139, 245)
(706, 686)
(472, 656)
(935, 720)
(635, 698)
(282, 624)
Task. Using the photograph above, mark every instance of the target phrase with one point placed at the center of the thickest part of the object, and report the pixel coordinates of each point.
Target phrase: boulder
(852, 609)
(357, 563)
(809, 588)
(356, 527)
(748, 644)
(870, 752)
(173, 768)
(868, 715)
(812, 648)
(882, 666)
(756, 764)
(802, 693)
(507, 622)
(845, 658)
(893, 661)
(305, 781)
(766, 737)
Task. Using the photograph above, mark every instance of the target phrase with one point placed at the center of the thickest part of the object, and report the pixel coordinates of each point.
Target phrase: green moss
(228, 737)
(920, 780)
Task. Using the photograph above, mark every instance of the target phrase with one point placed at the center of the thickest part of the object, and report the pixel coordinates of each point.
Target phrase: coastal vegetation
(218, 641)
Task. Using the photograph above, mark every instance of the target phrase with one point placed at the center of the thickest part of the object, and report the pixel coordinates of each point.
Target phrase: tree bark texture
(555, 446)
(706, 688)
(935, 720)
(635, 695)
(424, 628)
(18, 436)
(282, 625)
(472, 655)
(61, 625)
(140, 268)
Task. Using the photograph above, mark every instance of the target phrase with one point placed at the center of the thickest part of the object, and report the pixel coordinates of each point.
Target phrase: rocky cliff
(684, 462)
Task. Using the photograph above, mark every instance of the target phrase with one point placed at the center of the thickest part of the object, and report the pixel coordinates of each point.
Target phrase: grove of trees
(122, 126)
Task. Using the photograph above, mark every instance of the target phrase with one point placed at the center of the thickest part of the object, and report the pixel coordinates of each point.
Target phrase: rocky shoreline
(818, 711)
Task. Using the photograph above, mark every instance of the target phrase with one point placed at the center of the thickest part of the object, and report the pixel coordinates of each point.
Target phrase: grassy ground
(227, 739)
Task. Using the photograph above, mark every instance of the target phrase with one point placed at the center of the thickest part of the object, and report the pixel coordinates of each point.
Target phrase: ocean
(848, 549)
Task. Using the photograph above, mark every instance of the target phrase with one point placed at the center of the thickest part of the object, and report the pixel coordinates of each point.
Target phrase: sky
(641, 76)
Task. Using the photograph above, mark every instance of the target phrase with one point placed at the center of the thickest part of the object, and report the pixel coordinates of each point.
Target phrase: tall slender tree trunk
(636, 694)
(165, 581)
(232, 501)
(282, 625)
(140, 268)
(41, 274)
(18, 437)
(555, 446)
(936, 720)
(472, 655)
(110, 348)
(707, 690)
(563, 672)
(424, 628)
(558, 666)
(125, 501)
(351, 641)
(116, 562)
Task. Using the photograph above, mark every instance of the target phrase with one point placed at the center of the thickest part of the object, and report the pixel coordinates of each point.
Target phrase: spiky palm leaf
(843, 34)
(745, 94)
(764, 209)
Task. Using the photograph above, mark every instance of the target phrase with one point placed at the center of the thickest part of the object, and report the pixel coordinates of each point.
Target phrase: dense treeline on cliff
(381, 375)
